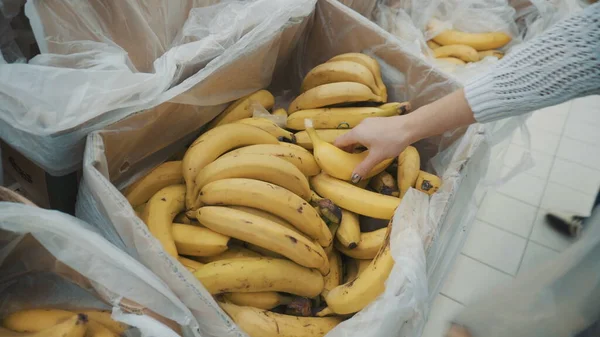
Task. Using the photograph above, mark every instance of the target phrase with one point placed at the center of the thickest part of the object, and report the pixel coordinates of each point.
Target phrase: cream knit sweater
(558, 65)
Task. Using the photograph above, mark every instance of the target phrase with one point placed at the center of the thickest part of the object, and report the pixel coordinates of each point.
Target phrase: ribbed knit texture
(558, 65)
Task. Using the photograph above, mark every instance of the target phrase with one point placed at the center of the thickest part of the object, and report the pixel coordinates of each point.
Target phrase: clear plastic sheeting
(535, 16)
(428, 232)
(558, 299)
(102, 61)
(51, 259)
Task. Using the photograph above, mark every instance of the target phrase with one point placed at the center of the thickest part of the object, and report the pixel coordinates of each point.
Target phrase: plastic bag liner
(428, 233)
(102, 61)
(559, 298)
(535, 16)
(51, 259)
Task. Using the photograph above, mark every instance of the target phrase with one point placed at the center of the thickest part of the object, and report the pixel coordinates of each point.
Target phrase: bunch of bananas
(458, 47)
(267, 226)
(61, 323)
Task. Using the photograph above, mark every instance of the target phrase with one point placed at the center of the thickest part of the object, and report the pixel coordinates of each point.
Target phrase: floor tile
(551, 120)
(443, 310)
(559, 109)
(507, 213)
(535, 255)
(470, 278)
(542, 162)
(525, 187)
(583, 131)
(495, 247)
(578, 177)
(545, 235)
(586, 110)
(579, 152)
(541, 140)
(565, 199)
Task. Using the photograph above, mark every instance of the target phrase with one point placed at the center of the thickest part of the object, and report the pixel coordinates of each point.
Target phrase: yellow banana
(367, 247)
(353, 296)
(189, 264)
(334, 278)
(479, 41)
(271, 198)
(384, 183)
(333, 93)
(280, 112)
(292, 153)
(337, 162)
(496, 53)
(213, 144)
(268, 216)
(343, 118)
(339, 71)
(253, 166)
(327, 135)
(263, 300)
(428, 183)
(368, 62)
(95, 329)
(242, 108)
(461, 51)
(409, 164)
(266, 234)
(270, 127)
(197, 241)
(47, 323)
(139, 210)
(262, 323)
(104, 317)
(234, 252)
(351, 266)
(354, 198)
(348, 234)
(432, 44)
(257, 274)
(160, 212)
(263, 251)
(164, 175)
(362, 265)
(452, 60)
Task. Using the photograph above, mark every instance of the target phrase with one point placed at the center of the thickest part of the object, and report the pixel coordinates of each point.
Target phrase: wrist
(410, 126)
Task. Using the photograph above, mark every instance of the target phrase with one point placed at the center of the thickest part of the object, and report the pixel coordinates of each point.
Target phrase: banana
(329, 211)
(339, 71)
(189, 264)
(47, 323)
(280, 112)
(104, 317)
(354, 198)
(242, 108)
(234, 252)
(337, 162)
(351, 266)
(362, 265)
(214, 143)
(160, 212)
(95, 329)
(197, 241)
(253, 166)
(479, 41)
(166, 174)
(327, 135)
(268, 216)
(367, 247)
(262, 323)
(139, 210)
(384, 183)
(263, 300)
(257, 274)
(432, 44)
(271, 198)
(270, 127)
(452, 60)
(353, 296)
(495, 53)
(461, 51)
(292, 153)
(409, 164)
(428, 183)
(343, 118)
(266, 234)
(334, 278)
(364, 183)
(368, 62)
(333, 93)
(348, 234)
(263, 251)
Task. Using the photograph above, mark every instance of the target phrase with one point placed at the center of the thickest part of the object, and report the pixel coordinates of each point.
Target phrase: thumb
(362, 170)
(345, 140)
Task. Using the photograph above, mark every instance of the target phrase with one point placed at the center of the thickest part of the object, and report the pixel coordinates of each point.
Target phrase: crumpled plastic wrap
(535, 16)
(51, 259)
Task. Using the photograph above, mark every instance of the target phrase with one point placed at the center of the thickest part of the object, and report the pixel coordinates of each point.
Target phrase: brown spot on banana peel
(293, 239)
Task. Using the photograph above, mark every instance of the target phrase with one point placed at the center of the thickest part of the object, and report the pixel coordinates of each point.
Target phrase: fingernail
(356, 178)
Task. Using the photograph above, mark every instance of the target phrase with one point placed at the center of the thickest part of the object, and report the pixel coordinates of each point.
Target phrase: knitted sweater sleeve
(558, 65)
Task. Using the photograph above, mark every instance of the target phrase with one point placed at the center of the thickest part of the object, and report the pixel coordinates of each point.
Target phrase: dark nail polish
(356, 178)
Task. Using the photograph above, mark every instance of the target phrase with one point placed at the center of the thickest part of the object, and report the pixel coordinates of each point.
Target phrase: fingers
(362, 170)
(346, 140)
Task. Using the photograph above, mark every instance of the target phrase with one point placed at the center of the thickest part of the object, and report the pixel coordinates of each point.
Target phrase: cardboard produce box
(428, 232)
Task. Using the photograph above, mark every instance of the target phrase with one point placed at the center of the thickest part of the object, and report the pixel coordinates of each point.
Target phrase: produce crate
(123, 152)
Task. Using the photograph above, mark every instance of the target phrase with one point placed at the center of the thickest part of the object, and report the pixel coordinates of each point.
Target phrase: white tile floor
(510, 236)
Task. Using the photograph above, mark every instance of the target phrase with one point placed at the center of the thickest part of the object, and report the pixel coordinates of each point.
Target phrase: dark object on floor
(570, 226)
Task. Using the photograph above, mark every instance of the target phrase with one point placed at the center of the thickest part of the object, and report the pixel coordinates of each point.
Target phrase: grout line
(522, 257)
(489, 265)
(546, 246)
(452, 299)
(503, 229)
(523, 201)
